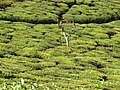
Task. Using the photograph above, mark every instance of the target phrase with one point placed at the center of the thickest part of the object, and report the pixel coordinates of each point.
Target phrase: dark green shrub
(95, 12)
(5, 3)
(2, 53)
(81, 18)
(6, 75)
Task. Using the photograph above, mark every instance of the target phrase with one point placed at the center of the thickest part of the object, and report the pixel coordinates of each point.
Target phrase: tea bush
(38, 53)
(44, 12)
(4, 4)
(84, 13)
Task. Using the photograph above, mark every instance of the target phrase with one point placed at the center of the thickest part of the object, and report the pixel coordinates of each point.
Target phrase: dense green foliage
(87, 11)
(32, 46)
(5, 3)
(47, 11)
(37, 52)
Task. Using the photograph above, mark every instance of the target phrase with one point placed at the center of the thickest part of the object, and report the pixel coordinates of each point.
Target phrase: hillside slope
(32, 46)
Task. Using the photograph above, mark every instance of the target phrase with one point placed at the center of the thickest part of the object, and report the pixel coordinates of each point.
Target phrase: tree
(66, 35)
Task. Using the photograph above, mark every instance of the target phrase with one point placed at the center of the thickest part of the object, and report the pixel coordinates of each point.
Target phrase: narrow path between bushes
(60, 17)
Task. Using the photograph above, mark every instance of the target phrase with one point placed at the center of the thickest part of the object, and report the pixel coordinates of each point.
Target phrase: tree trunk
(66, 37)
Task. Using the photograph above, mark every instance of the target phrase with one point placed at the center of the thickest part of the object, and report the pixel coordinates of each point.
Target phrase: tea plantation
(33, 47)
